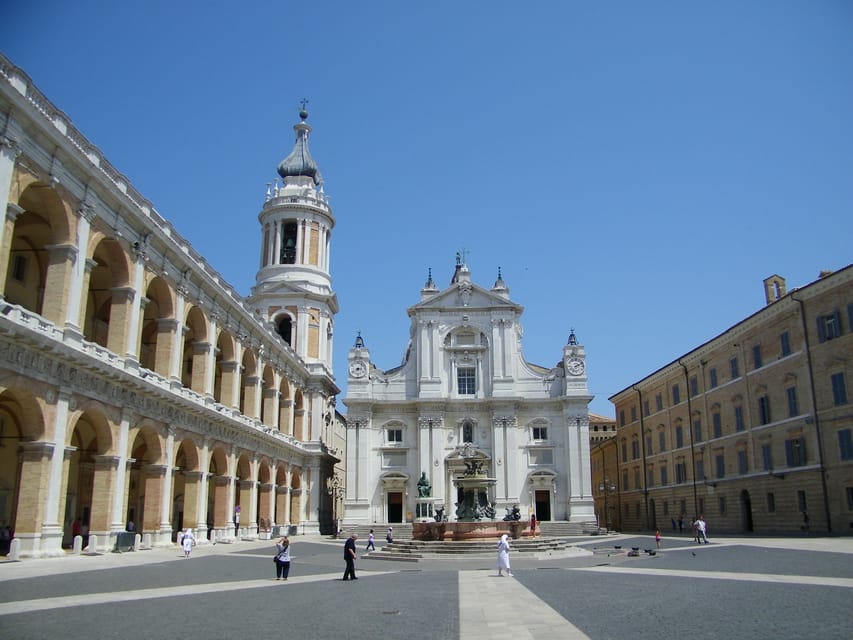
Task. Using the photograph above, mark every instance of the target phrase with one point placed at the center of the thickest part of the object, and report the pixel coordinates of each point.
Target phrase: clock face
(357, 369)
(575, 366)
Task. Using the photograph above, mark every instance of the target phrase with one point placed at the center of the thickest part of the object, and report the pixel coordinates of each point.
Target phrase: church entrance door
(395, 506)
(543, 505)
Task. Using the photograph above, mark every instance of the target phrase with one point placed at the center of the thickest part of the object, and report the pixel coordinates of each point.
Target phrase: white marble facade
(465, 392)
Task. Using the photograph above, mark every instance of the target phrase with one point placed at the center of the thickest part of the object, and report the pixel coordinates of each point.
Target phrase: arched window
(285, 329)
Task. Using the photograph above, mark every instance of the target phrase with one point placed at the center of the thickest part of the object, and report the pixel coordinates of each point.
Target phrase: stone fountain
(475, 514)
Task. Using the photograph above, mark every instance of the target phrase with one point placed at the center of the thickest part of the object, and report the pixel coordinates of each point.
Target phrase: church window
(541, 433)
(395, 435)
(467, 432)
(466, 381)
(288, 243)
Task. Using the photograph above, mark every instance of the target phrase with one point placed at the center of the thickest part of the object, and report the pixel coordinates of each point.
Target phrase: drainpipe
(815, 413)
(643, 445)
(690, 430)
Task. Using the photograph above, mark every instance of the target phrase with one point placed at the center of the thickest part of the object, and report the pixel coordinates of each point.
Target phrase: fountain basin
(478, 530)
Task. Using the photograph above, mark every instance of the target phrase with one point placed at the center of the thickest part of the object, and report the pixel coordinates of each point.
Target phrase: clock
(357, 369)
(575, 366)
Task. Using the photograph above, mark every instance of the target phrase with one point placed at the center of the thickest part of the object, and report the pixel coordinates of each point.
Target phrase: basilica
(465, 398)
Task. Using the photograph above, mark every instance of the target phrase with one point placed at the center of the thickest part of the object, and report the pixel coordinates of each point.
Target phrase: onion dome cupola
(300, 163)
(293, 287)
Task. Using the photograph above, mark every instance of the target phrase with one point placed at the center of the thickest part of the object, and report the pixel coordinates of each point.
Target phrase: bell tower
(293, 287)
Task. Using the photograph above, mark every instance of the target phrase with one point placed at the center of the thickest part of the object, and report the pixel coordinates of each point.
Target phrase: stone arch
(245, 483)
(299, 416)
(282, 494)
(225, 368)
(158, 327)
(285, 326)
(39, 264)
(194, 349)
(90, 440)
(108, 297)
(186, 480)
(21, 422)
(265, 507)
(269, 404)
(218, 513)
(249, 383)
(147, 476)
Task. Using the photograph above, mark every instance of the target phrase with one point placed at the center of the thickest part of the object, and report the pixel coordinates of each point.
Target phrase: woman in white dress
(188, 542)
(503, 555)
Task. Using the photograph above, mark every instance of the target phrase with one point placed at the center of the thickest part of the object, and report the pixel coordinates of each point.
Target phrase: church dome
(300, 162)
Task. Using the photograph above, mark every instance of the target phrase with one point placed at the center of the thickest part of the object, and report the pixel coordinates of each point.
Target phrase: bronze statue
(424, 486)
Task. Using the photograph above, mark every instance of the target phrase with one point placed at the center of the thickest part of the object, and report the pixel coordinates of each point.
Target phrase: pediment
(465, 296)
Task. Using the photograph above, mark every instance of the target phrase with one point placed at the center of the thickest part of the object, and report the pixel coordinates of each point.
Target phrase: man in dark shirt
(349, 556)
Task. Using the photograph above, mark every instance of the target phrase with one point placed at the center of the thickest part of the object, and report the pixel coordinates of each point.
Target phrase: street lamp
(335, 492)
(606, 488)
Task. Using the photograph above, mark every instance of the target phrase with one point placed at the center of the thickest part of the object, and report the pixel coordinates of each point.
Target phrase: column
(118, 508)
(288, 478)
(167, 498)
(52, 517)
(210, 363)
(76, 298)
(36, 538)
(303, 316)
(252, 516)
(276, 257)
(9, 151)
(60, 270)
(178, 346)
(137, 305)
(7, 229)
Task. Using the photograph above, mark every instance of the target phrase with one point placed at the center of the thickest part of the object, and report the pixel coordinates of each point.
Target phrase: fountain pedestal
(456, 531)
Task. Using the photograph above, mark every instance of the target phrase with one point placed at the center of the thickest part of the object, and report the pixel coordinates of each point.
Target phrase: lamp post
(606, 488)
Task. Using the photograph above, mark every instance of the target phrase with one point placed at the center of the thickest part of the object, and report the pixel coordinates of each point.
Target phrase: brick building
(754, 428)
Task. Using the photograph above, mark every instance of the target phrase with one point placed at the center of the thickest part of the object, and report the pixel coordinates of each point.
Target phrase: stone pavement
(600, 594)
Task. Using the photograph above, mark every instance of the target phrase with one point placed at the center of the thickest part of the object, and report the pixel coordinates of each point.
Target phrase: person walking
(701, 530)
(389, 535)
(533, 524)
(282, 559)
(187, 542)
(503, 556)
(370, 542)
(657, 538)
(349, 556)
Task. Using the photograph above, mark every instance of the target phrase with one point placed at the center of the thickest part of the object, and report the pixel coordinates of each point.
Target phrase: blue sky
(636, 169)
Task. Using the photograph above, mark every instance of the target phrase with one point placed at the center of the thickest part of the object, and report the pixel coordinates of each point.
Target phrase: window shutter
(821, 329)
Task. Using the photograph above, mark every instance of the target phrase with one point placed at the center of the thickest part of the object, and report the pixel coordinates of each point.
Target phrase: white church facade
(465, 396)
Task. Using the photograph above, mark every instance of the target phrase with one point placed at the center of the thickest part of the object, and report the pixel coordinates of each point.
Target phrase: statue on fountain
(424, 486)
(513, 514)
(439, 514)
(473, 468)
